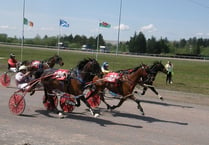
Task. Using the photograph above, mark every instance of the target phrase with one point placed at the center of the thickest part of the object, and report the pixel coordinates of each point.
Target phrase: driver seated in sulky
(12, 63)
(23, 77)
(105, 68)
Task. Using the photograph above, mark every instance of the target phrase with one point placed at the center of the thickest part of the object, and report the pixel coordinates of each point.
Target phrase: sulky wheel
(67, 103)
(17, 104)
(5, 80)
(47, 104)
(94, 101)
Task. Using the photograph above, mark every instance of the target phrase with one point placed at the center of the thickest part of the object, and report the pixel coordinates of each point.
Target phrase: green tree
(137, 43)
(3, 37)
(101, 40)
(151, 45)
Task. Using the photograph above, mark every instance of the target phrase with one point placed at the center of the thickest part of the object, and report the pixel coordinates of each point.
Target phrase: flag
(31, 24)
(26, 22)
(64, 23)
(104, 24)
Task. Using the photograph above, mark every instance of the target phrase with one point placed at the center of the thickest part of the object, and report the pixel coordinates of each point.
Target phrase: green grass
(189, 76)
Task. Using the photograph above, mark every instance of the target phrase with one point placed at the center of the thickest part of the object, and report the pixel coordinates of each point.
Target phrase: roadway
(171, 122)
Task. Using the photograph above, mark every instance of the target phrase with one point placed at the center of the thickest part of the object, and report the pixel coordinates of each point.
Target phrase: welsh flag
(104, 24)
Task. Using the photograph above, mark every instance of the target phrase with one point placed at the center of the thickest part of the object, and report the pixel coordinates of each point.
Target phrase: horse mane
(155, 63)
(83, 62)
(48, 59)
(130, 70)
(54, 56)
(25, 62)
(136, 68)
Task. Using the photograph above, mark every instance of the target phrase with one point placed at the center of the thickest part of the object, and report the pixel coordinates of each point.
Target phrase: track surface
(168, 122)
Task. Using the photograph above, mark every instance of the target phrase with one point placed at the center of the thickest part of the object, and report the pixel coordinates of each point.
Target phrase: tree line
(137, 44)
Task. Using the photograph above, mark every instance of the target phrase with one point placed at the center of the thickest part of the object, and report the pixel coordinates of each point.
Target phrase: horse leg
(55, 110)
(46, 95)
(51, 101)
(119, 104)
(138, 103)
(88, 105)
(78, 102)
(101, 94)
(144, 91)
(155, 91)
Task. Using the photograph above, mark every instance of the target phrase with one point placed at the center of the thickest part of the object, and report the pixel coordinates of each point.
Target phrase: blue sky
(173, 19)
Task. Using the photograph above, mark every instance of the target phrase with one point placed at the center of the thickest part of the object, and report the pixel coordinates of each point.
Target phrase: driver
(22, 77)
(105, 68)
(12, 63)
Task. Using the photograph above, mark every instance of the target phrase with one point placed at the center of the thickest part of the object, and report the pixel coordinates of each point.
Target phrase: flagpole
(58, 43)
(119, 28)
(22, 43)
(97, 43)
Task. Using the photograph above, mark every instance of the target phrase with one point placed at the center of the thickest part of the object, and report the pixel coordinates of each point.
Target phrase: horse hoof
(96, 115)
(108, 107)
(160, 97)
(60, 115)
(112, 107)
(32, 92)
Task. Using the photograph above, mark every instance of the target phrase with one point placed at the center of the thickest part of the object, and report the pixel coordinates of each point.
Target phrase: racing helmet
(105, 64)
(22, 67)
(12, 55)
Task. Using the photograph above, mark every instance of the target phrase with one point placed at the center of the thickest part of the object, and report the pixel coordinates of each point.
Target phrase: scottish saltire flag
(104, 24)
(64, 23)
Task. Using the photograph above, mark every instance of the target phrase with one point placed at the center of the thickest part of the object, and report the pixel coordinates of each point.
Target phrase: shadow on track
(45, 113)
(144, 118)
(165, 104)
(100, 121)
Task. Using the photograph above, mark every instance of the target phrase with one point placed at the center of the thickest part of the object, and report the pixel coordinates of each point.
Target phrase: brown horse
(36, 67)
(147, 81)
(74, 83)
(122, 85)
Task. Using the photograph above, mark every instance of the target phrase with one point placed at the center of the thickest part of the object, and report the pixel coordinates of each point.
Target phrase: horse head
(158, 66)
(56, 59)
(89, 68)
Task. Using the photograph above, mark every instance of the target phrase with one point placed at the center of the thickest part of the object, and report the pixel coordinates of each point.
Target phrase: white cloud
(148, 28)
(199, 34)
(122, 27)
(5, 27)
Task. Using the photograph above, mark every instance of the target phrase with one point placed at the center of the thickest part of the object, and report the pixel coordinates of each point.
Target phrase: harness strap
(128, 95)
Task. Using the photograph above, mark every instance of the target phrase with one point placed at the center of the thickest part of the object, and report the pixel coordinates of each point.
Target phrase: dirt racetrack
(175, 121)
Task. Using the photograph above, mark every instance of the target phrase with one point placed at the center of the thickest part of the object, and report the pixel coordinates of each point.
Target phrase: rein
(152, 70)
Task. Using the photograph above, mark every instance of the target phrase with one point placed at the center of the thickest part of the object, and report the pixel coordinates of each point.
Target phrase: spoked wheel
(67, 103)
(94, 101)
(17, 104)
(5, 80)
(47, 104)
